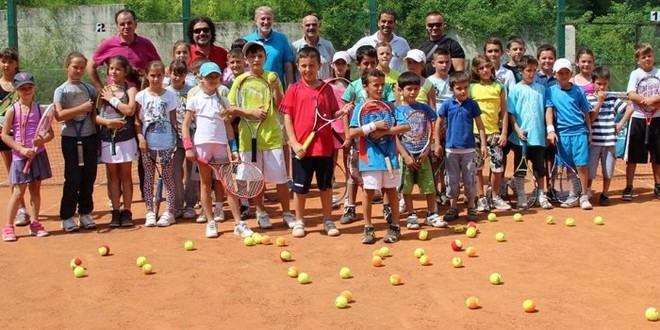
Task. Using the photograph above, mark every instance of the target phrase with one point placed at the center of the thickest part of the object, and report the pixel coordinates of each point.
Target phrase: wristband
(114, 102)
(233, 146)
(550, 128)
(187, 143)
(368, 128)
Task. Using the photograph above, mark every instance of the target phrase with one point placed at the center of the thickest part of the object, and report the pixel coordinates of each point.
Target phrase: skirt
(39, 169)
(126, 151)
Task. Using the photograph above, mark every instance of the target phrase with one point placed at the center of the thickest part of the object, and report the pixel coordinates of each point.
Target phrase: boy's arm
(482, 136)
(600, 98)
(505, 119)
(291, 133)
(551, 135)
(432, 97)
(624, 119)
(437, 145)
(521, 134)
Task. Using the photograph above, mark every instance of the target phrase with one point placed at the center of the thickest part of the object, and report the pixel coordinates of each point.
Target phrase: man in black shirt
(435, 26)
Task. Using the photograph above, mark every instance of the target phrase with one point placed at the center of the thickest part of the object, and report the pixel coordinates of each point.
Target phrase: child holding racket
(74, 103)
(307, 105)
(644, 129)
(117, 133)
(460, 113)
(376, 122)
(156, 112)
(603, 144)
(414, 147)
(416, 61)
(23, 118)
(341, 68)
(212, 136)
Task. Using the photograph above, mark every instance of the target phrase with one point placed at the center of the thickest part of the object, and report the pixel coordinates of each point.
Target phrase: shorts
(574, 150)
(377, 180)
(127, 151)
(304, 169)
(271, 163)
(535, 154)
(606, 156)
(208, 151)
(636, 151)
(422, 177)
(39, 169)
(465, 166)
(550, 152)
(495, 154)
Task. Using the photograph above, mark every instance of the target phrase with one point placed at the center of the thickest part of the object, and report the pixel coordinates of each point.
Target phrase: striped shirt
(603, 128)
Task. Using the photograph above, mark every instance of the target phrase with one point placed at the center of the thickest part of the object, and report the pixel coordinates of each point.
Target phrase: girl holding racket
(156, 108)
(27, 147)
(116, 108)
(341, 68)
(74, 104)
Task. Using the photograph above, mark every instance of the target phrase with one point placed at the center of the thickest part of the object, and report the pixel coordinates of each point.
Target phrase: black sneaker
(245, 212)
(126, 218)
(393, 234)
(369, 235)
(604, 199)
(116, 219)
(387, 213)
(451, 215)
(348, 216)
(657, 191)
(627, 194)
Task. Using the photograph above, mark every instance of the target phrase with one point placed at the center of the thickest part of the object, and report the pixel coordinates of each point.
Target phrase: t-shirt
(635, 77)
(527, 104)
(300, 103)
(460, 118)
(278, 52)
(603, 129)
(138, 53)
(571, 106)
(545, 80)
(490, 103)
(399, 46)
(376, 159)
(514, 70)
(392, 78)
(454, 48)
(355, 90)
(269, 135)
(423, 96)
(442, 90)
(217, 55)
(210, 127)
(155, 107)
(589, 88)
(405, 110)
(505, 76)
(72, 94)
(181, 95)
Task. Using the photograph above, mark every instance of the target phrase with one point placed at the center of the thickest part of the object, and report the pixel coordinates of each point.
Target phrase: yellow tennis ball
(529, 306)
(570, 222)
(341, 302)
(652, 314)
(492, 217)
(599, 220)
(272, 77)
(495, 278)
(500, 237)
(517, 217)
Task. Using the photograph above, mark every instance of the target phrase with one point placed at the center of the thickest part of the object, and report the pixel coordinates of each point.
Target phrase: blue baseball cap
(208, 68)
(23, 78)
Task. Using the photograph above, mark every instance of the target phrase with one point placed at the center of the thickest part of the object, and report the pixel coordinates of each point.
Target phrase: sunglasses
(200, 30)
(435, 25)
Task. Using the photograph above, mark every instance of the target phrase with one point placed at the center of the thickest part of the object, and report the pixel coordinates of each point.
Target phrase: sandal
(451, 215)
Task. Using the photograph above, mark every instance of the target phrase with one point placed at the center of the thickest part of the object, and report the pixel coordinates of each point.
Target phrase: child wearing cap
(341, 68)
(567, 106)
(416, 61)
(24, 116)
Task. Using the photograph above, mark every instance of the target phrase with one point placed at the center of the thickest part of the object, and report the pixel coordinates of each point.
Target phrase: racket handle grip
(306, 144)
(388, 163)
(26, 168)
(159, 190)
(81, 159)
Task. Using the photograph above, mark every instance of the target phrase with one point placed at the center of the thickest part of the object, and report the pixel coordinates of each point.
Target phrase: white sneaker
(411, 222)
(164, 220)
(263, 220)
(189, 213)
(211, 229)
(544, 203)
(201, 218)
(482, 205)
(241, 228)
(218, 213)
(69, 225)
(573, 201)
(22, 218)
(584, 203)
(436, 221)
(289, 219)
(86, 221)
(150, 219)
(402, 206)
(500, 204)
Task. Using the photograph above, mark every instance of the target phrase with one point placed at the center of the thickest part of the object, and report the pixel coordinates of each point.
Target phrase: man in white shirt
(386, 25)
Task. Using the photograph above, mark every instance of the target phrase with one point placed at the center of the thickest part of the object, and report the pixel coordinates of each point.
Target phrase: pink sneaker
(36, 229)
(8, 233)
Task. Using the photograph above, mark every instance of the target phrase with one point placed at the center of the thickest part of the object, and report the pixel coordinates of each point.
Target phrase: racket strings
(567, 184)
(241, 179)
(417, 138)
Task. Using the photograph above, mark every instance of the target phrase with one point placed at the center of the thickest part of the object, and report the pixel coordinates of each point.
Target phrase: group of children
(479, 115)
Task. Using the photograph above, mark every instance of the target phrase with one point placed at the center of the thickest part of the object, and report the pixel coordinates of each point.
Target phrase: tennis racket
(43, 128)
(254, 92)
(5, 104)
(647, 87)
(564, 181)
(371, 112)
(416, 141)
(240, 179)
(524, 181)
(106, 110)
(160, 136)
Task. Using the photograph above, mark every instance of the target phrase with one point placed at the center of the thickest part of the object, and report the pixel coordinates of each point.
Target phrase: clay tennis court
(586, 276)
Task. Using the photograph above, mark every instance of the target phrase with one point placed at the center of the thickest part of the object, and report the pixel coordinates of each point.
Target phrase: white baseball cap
(416, 55)
(341, 55)
(562, 63)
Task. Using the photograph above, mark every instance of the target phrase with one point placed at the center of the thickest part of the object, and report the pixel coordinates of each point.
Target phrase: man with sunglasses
(201, 33)
(435, 27)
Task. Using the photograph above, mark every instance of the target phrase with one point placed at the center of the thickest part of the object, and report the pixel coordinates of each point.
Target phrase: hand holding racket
(564, 181)
(524, 180)
(648, 87)
(416, 141)
(43, 129)
(240, 179)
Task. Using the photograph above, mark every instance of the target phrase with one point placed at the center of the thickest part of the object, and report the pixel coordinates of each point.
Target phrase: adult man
(279, 55)
(435, 27)
(138, 50)
(201, 33)
(386, 25)
(310, 27)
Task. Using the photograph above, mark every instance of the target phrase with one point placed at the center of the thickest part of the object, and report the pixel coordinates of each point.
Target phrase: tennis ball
(75, 262)
(472, 224)
(495, 279)
(570, 222)
(376, 261)
(147, 269)
(375, 252)
(492, 217)
(652, 314)
(348, 295)
(293, 271)
(141, 261)
(457, 245)
(249, 241)
(257, 238)
(303, 278)
(79, 271)
(189, 245)
(103, 251)
(345, 272)
(471, 252)
(384, 252)
(425, 260)
(423, 234)
(272, 77)
(280, 241)
(457, 262)
(471, 232)
(550, 220)
(472, 302)
(599, 220)
(529, 306)
(266, 240)
(341, 302)
(459, 229)
(500, 237)
(396, 279)
(285, 256)
(517, 217)
(419, 252)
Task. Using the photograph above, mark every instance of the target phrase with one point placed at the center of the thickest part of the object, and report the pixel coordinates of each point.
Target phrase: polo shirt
(327, 51)
(138, 53)
(278, 52)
